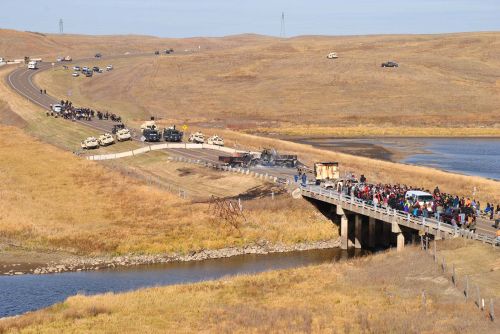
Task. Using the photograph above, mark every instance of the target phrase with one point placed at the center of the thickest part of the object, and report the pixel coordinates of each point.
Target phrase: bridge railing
(419, 222)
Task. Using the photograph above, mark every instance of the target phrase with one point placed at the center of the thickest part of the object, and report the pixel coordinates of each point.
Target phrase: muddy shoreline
(360, 146)
(59, 263)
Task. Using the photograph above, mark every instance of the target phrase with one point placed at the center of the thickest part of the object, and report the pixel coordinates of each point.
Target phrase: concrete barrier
(163, 146)
(192, 146)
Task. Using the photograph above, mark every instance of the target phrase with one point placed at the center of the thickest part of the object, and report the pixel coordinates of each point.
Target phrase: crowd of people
(455, 210)
(68, 111)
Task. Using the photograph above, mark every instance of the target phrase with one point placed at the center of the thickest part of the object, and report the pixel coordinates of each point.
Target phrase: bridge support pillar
(344, 231)
(371, 232)
(344, 228)
(386, 234)
(357, 231)
(400, 242)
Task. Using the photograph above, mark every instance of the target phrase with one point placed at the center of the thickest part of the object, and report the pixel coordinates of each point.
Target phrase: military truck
(151, 125)
(106, 139)
(171, 134)
(123, 134)
(151, 135)
(90, 143)
(197, 138)
(215, 140)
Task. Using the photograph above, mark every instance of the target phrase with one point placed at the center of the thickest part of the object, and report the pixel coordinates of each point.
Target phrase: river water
(469, 156)
(20, 294)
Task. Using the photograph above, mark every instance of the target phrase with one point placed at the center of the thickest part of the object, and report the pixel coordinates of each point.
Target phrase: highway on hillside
(21, 81)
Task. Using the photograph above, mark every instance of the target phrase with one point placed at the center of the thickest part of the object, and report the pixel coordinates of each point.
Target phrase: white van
(421, 197)
(32, 65)
(56, 108)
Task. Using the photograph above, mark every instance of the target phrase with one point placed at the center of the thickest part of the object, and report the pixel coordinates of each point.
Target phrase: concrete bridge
(363, 225)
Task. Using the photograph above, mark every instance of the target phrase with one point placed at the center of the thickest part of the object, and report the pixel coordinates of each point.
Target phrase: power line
(282, 30)
(61, 26)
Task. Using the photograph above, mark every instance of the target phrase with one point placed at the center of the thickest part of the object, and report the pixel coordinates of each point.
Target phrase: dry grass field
(17, 44)
(376, 294)
(53, 200)
(446, 84)
(69, 135)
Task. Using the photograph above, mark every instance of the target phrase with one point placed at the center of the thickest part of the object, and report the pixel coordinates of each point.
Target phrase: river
(20, 294)
(469, 156)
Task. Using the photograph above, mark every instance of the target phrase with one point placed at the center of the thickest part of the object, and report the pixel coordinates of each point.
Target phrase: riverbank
(475, 156)
(375, 130)
(381, 293)
(13, 264)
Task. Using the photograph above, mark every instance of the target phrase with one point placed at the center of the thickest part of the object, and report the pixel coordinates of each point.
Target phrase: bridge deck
(392, 216)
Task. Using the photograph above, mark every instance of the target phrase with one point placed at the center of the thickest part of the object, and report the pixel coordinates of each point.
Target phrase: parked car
(98, 55)
(75, 74)
(157, 52)
(88, 73)
(95, 69)
(56, 108)
(332, 55)
(109, 68)
(76, 68)
(390, 64)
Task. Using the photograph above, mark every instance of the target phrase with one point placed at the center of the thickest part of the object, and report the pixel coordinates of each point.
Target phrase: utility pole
(61, 26)
(282, 30)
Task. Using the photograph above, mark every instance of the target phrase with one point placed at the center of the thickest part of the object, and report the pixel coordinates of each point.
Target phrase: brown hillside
(443, 80)
(17, 44)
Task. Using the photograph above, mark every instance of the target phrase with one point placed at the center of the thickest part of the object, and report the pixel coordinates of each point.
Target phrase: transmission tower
(282, 30)
(61, 26)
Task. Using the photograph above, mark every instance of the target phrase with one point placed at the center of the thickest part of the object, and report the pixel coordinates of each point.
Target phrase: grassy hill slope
(443, 81)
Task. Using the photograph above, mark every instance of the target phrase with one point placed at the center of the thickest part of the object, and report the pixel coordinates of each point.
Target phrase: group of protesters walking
(455, 210)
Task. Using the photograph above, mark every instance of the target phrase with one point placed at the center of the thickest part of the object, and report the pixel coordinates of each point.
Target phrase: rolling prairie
(446, 83)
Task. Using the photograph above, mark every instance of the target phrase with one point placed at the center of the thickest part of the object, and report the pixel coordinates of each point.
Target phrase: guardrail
(430, 225)
(163, 147)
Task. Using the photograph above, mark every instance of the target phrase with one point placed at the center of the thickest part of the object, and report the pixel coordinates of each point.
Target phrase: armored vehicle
(197, 138)
(151, 135)
(123, 135)
(171, 134)
(215, 140)
(151, 125)
(90, 143)
(106, 139)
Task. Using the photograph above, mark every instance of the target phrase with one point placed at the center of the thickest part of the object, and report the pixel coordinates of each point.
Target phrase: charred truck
(270, 157)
